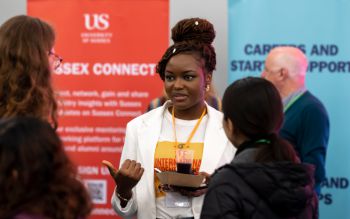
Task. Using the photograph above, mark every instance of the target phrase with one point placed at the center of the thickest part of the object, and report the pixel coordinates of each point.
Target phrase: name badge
(176, 200)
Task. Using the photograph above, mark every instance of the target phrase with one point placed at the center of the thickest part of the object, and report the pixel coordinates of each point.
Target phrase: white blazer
(142, 134)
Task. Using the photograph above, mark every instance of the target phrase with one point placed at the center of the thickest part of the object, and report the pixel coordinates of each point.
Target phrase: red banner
(110, 49)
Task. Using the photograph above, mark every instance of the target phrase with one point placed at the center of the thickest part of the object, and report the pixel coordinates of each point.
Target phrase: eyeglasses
(58, 60)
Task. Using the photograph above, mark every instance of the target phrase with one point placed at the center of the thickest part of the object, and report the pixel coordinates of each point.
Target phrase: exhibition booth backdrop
(320, 29)
(110, 49)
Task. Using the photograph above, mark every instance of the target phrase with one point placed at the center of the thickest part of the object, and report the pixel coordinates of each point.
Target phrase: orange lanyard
(187, 144)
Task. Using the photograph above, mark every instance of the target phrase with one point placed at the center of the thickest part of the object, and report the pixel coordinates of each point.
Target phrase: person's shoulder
(214, 112)
(214, 102)
(313, 104)
(156, 102)
(311, 100)
(215, 117)
(223, 174)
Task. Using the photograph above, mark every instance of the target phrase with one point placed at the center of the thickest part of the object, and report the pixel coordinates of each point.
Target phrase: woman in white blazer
(183, 122)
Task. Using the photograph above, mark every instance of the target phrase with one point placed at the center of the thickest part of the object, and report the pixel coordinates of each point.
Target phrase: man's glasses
(58, 60)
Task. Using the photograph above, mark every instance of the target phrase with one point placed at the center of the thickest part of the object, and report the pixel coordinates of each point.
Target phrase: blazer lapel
(148, 136)
(215, 143)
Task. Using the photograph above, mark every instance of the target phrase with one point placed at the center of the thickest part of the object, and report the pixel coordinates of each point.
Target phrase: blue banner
(320, 28)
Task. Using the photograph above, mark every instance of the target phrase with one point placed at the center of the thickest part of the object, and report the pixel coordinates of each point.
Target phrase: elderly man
(306, 123)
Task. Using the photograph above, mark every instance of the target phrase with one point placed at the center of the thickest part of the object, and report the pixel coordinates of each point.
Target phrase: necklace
(187, 144)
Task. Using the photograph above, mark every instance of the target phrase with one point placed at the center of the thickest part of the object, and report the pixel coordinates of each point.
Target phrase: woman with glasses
(27, 59)
(37, 180)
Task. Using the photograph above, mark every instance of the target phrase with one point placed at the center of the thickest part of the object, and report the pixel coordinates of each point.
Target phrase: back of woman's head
(36, 176)
(191, 36)
(25, 72)
(255, 108)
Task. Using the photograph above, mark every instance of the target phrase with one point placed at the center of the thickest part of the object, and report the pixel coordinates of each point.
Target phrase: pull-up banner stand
(320, 29)
(110, 49)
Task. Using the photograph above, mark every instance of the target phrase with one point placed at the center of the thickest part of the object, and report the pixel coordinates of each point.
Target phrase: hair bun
(193, 29)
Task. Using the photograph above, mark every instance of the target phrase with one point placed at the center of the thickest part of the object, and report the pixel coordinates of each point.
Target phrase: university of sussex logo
(96, 21)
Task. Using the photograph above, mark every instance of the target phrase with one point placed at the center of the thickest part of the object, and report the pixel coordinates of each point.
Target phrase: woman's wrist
(123, 195)
(121, 198)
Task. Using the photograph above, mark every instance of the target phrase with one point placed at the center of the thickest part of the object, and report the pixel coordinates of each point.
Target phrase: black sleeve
(221, 202)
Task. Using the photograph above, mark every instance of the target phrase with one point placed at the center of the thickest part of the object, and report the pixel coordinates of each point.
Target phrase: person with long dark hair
(185, 122)
(37, 179)
(265, 180)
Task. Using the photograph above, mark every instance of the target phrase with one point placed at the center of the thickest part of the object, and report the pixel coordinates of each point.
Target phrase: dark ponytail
(276, 149)
(255, 108)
